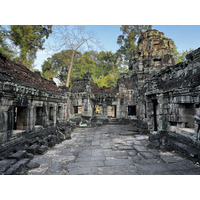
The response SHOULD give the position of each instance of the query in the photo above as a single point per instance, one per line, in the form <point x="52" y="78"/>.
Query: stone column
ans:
<point x="104" y="110"/>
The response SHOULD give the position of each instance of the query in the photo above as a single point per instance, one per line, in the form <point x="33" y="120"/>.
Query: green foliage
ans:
<point x="29" y="38"/>
<point x="127" y="41"/>
<point x="4" y="47"/>
<point x="104" y="66"/>
<point x="85" y="64"/>
<point x="180" y="56"/>
<point x="108" y="68"/>
<point x="57" y="66"/>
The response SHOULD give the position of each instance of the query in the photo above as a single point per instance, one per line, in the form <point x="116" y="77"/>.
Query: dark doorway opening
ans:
<point x="51" y="114"/>
<point x="59" y="113"/>
<point x="78" y="110"/>
<point x="20" y="118"/>
<point x="131" y="110"/>
<point x="155" y="103"/>
<point x="39" y="116"/>
<point x="75" y="109"/>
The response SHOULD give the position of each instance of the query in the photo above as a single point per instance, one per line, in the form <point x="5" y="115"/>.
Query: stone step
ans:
<point x="186" y="149"/>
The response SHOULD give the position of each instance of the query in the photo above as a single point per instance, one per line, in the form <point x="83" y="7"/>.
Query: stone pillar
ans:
<point x="54" y="114"/>
<point x="31" y="115"/>
<point x="104" y="110"/>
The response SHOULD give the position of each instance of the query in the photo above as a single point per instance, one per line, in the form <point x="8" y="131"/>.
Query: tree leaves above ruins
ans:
<point x="21" y="42"/>
<point x="103" y="66"/>
<point x="5" y="50"/>
<point x="29" y="38"/>
<point x="127" y="40"/>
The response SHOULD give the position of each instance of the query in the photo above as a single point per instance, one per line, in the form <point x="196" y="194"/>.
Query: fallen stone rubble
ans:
<point x="18" y="161"/>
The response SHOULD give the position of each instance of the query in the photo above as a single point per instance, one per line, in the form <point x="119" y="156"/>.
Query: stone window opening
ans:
<point x="187" y="112"/>
<point x="39" y="116"/>
<point x="20" y="118"/>
<point x="157" y="59"/>
<point x="132" y="110"/>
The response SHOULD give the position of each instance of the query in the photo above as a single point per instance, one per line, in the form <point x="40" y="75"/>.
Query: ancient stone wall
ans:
<point x="177" y="92"/>
<point x="29" y="104"/>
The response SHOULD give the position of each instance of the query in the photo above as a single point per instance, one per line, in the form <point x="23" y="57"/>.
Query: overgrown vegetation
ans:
<point x="181" y="56"/>
<point x="27" y="38"/>
<point x="105" y="67"/>
<point x="21" y="43"/>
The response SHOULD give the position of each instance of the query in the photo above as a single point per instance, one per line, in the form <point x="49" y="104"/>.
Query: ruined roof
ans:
<point x="182" y="75"/>
<point x="16" y="73"/>
<point x="103" y="90"/>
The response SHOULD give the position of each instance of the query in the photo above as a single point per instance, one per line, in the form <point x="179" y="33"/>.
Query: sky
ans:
<point x="185" y="37"/>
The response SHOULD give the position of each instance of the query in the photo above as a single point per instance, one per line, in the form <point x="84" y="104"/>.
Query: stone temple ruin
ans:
<point x="157" y="96"/>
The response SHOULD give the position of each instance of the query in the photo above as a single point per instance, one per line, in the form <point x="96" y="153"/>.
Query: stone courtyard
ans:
<point x="78" y="130"/>
<point x="110" y="150"/>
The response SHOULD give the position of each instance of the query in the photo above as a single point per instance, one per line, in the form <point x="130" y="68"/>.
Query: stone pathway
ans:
<point x="110" y="149"/>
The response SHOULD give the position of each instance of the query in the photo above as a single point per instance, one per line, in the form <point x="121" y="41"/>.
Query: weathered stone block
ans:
<point x="52" y="140"/>
<point x="33" y="148"/>
<point x="32" y="165"/>
<point x="5" y="164"/>
<point x="18" y="155"/>
<point x="29" y="155"/>
<point x="42" y="149"/>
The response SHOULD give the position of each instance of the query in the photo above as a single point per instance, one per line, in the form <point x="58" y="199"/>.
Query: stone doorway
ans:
<point x="111" y="111"/>
<point x="155" y="104"/>
<point x="20" y="118"/>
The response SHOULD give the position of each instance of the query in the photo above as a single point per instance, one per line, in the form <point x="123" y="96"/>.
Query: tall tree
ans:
<point x="4" y="46"/>
<point x="72" y="38"/>
<point x="104" y="67"/>
<point x="127" y="41"/>
<point x="29" y="38"/>
<point x="58" y="65"/>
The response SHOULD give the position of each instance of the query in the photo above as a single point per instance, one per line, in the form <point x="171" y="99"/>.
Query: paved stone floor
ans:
<point x="110" y="149"/>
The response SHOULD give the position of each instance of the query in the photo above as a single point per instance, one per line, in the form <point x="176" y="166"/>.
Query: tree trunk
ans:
<point x="70" y="69"/>
<point x="72" y="61"/>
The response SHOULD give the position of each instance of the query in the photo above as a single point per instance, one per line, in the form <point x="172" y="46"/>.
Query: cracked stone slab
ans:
<point x="118" y="162"/>
<point x="112" y="170"/>
<point x="82" y="171"/>
<point x="171" y="159"/>
<point x="117" y="153"/>
<point x="87" y="164"/>
<point x="140" y="148"/>
<point x="89" y="159"/>
<point x="154" y="169"/>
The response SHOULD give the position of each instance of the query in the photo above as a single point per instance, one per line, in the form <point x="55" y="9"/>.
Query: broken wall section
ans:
<point x="28" y="104"/>
<point x="177" y="92"/>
